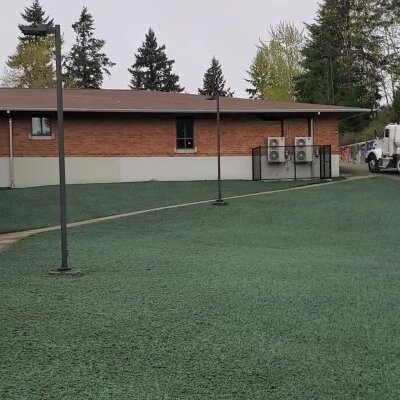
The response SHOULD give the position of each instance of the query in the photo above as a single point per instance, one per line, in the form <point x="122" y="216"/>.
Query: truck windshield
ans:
<point x="379" y="133"/>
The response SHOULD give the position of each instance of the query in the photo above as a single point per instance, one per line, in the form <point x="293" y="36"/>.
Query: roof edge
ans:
<point x="345" y="110"/>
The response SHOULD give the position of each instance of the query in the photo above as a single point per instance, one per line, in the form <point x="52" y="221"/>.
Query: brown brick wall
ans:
<point x="239" y="134"/>
<point x="294" y="128"/>
<point x="147" y="135"/>
<point x="327" y="132"/>
<point x="4" y="136"/>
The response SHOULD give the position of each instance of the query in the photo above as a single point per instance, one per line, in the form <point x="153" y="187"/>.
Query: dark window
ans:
<point x="41" y="126"/>
<point x="184" y="133"/>
<point x="387" y="133"/>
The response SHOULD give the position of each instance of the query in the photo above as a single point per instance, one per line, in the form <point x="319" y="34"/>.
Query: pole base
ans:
<point x="220" y="202"/>
<point x="65" y="272"/>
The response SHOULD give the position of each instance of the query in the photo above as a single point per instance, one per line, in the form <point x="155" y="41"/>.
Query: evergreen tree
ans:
<point x="214" y="81"/>
<point x="34" y="15"/>
<point x="388" y="33"/>
<point x="341" y="56"/>
<point x="32" y="64"/>
<point x="152" y="70"/>
<point x="395" y="109"/>
<point x="277" y="64"/>
<point x="259" y="77"/>
<point x="85" y="65"/>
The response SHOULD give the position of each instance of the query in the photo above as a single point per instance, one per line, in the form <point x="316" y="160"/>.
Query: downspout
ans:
<point x="10" y="124"/>
<point x="312" y="128"/>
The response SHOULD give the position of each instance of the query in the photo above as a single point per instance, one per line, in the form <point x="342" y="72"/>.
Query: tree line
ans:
<point x="348" y="56"/>
<point x="86" y="65"/>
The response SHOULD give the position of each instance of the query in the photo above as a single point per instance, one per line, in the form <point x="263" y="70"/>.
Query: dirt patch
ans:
<point x="350" y="170"/>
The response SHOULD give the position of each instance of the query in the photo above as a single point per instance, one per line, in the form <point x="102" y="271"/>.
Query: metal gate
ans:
<point x="256" y="154"/>
<point x="288" y="162"/>
<point x="326" y="162"/>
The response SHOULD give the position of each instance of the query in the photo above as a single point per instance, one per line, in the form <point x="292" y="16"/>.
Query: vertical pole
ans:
<point x="10" y="124"/>
<point x="219" y="200"/>
<point x="252" y="164"/>
<point x="328" y="86"/>
<point x="331" y="73"/>
<point x="321" y="158"/>
<point x="61" y="155"/>
<point x="330" y="161"/>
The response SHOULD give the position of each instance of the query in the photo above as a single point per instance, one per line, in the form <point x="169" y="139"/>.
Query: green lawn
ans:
<point x="289" y="296"/>
<point x="39" y="207"/>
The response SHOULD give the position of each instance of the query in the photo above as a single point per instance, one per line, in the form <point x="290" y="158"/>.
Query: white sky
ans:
<point x="193" y="31"/>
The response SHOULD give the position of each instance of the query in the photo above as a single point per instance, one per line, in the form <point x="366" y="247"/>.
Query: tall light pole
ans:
<point x="44" y="30"/>
<point x="220" y="201"/>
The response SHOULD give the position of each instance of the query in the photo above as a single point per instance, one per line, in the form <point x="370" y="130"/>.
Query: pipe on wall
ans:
<point x="10" y="124"/>
<point x="312" y="128"/>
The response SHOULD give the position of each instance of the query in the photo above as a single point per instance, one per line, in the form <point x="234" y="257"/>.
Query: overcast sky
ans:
<point x="193" y="31"/>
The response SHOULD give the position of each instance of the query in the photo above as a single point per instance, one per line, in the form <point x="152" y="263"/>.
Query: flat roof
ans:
<point x="143" y="101"/>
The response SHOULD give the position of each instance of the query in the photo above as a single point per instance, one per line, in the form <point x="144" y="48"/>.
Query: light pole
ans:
<point x="220" y="201"/>
<point x="44" y="30"/>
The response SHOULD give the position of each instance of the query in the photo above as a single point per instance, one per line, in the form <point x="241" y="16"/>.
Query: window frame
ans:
<point x="185" y="138"/>
<point x="41" y="136"/>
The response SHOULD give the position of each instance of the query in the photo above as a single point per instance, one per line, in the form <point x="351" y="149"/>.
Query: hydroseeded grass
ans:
<point x="38" y="207"/>
<point x="288" y="296"/>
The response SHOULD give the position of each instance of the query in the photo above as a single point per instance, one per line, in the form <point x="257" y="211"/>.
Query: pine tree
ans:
<point x="388" y="33"/>
<point x="341" y="56"/>
<point x="85" y="65"/>
<point x="214" y="81"/>
<point x="32" y="64"/>
<point x="34" y="15"/>
<point x="259" y="77"/>
<point x="396" y="103"/>
<point x="152" y="70"/>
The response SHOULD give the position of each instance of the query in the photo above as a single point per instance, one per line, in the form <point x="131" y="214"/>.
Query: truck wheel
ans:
<point x="398" y="165"/>
<point x="373" y="165"/>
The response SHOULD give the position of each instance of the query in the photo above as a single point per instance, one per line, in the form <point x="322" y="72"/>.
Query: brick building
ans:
<point x="125" y="136"/>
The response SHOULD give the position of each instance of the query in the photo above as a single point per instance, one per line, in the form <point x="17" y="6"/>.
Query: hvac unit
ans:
<point x="276" y="150"/>
<point x="303" y="149"/>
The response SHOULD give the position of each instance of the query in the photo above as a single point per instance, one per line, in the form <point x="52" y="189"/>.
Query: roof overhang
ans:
<point x="176" y="111"/>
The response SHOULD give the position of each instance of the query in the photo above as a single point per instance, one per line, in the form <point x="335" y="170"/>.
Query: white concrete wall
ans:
<point x="35" y="171"/>
<point x="42" y="171"/>
<point x="303" y="170"/>
<point x="335" y="165"/>
<point x="183" y="168"/>
<point x="5" y="172"/>
<point x="92" y="169"/>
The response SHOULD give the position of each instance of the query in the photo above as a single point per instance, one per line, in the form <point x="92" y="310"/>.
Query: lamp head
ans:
<point x="40" y="30"/>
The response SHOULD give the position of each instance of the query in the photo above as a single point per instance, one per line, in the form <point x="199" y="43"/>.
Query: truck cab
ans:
<point x="386" y="151"/>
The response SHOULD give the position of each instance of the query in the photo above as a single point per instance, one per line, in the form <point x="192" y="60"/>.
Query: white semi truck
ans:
<point x="386" y="150"/>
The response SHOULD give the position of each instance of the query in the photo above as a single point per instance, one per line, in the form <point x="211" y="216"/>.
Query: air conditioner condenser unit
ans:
<point x="303" y="149"/>
<point x="276" y="150"/>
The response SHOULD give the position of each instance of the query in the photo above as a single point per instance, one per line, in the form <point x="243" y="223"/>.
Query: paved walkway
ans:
<point x="351" y="170"/>
<point x="7" y="239"/>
